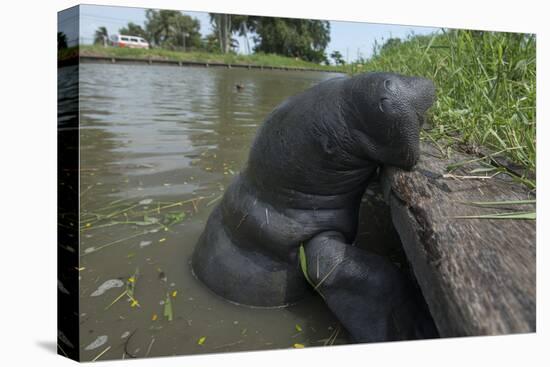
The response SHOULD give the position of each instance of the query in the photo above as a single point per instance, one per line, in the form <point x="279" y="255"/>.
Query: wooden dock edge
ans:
<point x="478" y="276"/>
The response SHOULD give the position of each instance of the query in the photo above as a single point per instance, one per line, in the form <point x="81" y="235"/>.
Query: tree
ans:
<point x="172" y="29"/>
<point x="337" y="57"/>
<point x="211" y="43"/>
<point x="101" y="36"/>
<point x="61" y="40"/>
<point x="133" y="29"/>
<point x="391" y="42"/>
<point x="224" y="26"/>
<point x="302" y="38"/>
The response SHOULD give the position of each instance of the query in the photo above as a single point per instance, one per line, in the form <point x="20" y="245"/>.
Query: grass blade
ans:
<point x="303" y="264"/>
<point x="521" y="216"/>
<point x="492" y="203"/>
<point x="168" y="311"/>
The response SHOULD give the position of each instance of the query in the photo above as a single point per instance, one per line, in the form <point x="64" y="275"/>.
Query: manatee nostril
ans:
<point x="388" y="85"/>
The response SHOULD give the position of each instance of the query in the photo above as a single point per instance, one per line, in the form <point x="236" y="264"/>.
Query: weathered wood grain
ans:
<point x="478" y="276"/>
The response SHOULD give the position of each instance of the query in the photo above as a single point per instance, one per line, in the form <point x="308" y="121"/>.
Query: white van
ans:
<point x="121" y="40"/>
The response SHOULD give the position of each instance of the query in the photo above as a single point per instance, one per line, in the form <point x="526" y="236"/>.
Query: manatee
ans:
<point x="308" y="167"/>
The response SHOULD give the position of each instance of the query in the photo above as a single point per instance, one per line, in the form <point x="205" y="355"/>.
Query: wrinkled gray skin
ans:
<point x="307" y="170"/>
<point x="372" y="299"/>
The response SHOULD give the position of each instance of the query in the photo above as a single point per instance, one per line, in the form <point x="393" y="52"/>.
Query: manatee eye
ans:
<point x="388" y="85"/>
<point x="384" y="105"/>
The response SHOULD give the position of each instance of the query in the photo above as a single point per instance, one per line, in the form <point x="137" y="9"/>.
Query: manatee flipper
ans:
<point x="372" y="299"/>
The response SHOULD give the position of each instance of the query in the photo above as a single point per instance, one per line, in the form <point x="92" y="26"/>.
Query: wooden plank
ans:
<point x="478" y="276"/>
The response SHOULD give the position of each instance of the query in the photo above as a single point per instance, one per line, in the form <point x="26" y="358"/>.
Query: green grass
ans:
<point x="197" y="56"/>
<point x="486" y="87"/>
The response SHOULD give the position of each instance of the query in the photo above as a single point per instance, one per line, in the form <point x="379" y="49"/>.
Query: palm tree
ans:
<point x="222" y="26"/>
<point x="101" y="36"/>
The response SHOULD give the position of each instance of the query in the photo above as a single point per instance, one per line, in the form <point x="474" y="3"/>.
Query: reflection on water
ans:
<point x="172" y="134"/>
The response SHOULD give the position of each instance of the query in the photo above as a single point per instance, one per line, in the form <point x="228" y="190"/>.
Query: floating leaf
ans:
<point x="134" y="301"/>
<point x="298" y="328"/>
<point x="109" y="284"/>
<point x="131" y="284"/>
<point x="174" y="293"/>
<point x="143" y="244"/>
<point x="147" y="221"/>
<point x="98" y="342"/>
<point x="168" y="312"/>
<point x="155" y="317"/>
<point x="173" y="218"/>
<point x="299" y="346"/>
<point x="162" y="240"/>
<point x="201" y="340"/>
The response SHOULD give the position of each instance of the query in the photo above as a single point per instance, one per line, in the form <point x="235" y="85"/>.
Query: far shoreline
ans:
<point x="153" y="61"/>
<point x="156" y="56"/>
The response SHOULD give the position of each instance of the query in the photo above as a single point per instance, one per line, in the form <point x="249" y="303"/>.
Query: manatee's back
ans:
<point x="290" y="149"/>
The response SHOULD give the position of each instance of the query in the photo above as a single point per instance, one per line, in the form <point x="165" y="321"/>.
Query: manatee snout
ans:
<point x="393" y="110"/>
<point x="422" y="96"/>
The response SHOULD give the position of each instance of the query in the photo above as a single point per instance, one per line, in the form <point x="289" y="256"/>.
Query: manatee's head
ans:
<point x="389" y="110"/>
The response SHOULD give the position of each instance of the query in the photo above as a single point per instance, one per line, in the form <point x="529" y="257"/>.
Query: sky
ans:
<point x="351" y="39"/>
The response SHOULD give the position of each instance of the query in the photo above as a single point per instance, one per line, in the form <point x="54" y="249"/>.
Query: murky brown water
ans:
<point x="164" y="136"/>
